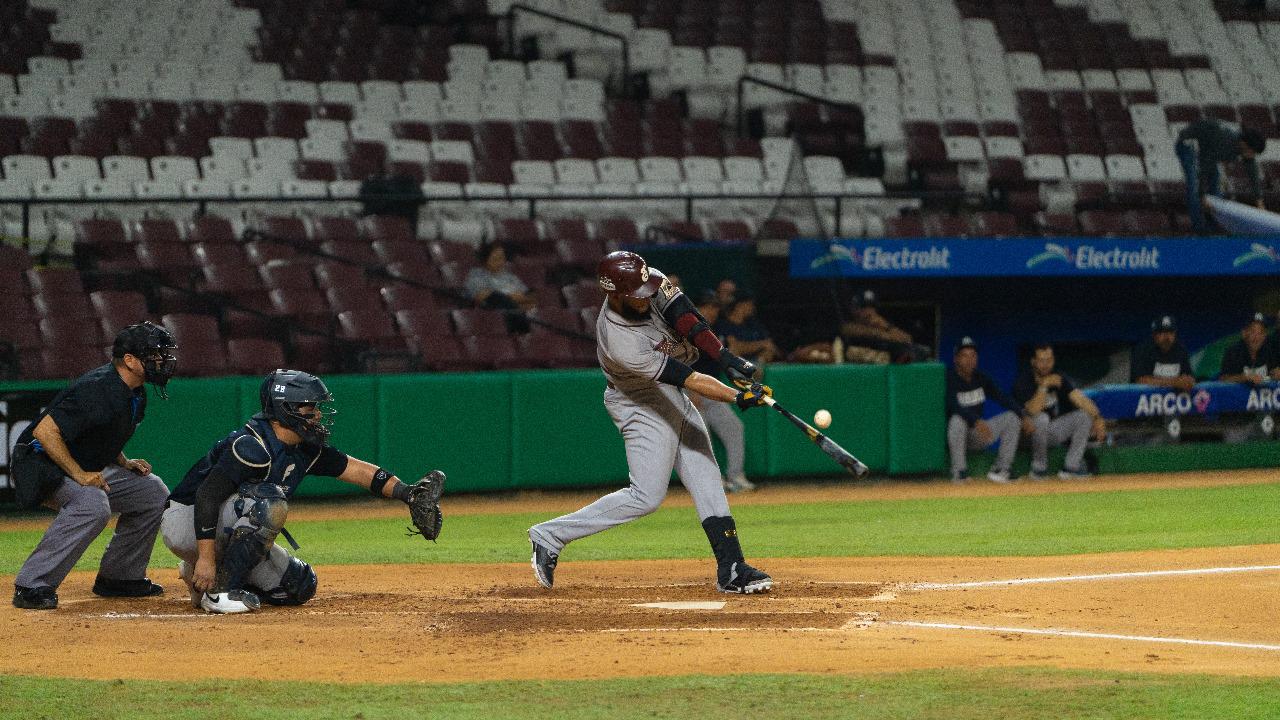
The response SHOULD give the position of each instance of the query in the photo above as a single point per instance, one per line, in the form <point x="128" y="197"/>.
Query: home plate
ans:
<point x="685" y="605"/>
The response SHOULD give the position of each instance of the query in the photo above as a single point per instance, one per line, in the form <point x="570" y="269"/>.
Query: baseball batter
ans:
<point x="649" y="334"/>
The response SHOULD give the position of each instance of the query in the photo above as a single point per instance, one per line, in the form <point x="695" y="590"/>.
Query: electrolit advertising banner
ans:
<point x="1072" y="257"/>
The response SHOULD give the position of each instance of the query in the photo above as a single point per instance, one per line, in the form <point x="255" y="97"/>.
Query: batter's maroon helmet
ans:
<point x="625" y="273"/>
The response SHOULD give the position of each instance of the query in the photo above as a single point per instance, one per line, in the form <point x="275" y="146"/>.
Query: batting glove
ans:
<point x="752" y="396"/>
<point x="741" y="372"/>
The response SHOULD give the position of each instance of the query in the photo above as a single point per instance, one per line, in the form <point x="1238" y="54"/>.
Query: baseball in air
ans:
<point x="822" y="419"/>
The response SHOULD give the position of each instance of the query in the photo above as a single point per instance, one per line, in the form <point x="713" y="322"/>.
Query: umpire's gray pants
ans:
<point x="961" y="439"/>
<point x="661" y="431"/>
<point x="725" y="424"/>
<point x="1072" y="428"/>
<point x="83" y="513"/>
<point x="178" y="530"/>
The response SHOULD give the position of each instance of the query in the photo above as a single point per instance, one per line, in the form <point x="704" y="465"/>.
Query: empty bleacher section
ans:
<point x="121" y="122"/>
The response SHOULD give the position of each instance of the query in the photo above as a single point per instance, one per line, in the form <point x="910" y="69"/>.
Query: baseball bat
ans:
<point x="833" y="450"/>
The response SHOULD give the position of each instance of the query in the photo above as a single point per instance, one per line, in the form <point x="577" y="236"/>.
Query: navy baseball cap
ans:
<point x="1256" y="318"/>
<point x="1164" y="323"/>
<point x="966" y="342"/>
<point x="708" y="297"/>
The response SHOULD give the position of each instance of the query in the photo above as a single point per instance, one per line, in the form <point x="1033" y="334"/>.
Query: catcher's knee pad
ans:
<point x="297" y="585"/>
<point x="263" y="507"/>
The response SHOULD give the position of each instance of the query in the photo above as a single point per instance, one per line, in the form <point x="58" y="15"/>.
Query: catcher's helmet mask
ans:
<point x="154" y="348"/>
<point x="300" y="402"/>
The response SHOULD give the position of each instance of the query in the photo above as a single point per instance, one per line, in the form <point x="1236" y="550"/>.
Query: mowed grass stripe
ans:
<point x="1059" y="524"/>
<point x="1014" y="693"/>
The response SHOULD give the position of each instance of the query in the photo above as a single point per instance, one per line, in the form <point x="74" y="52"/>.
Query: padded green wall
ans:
<point x="529" y="429"/>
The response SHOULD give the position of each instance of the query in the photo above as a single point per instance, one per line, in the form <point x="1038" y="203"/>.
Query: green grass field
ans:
<point x="1026" y="694"/>
<point x="989" y="526"/>
<point x="1062" y="524"/>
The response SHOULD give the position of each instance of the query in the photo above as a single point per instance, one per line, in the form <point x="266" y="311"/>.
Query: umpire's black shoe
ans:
<point x="741" y="578"/>
<point x="41" y="598"/>
<point x="108" y="587"/>
<point x="544" y="565"/>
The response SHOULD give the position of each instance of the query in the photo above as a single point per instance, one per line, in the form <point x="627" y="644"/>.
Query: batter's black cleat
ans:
<point x="544" y="565"/>
<point x="108" y="587"/>
<point x="41" y="598"/>
<point x="742" y="579"/>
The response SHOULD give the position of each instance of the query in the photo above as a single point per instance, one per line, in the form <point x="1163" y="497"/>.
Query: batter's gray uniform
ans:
<point x="661" y="429"/>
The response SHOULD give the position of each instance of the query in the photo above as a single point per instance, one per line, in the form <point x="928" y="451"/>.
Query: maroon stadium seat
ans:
<point x="493" y="351"/>
<point x="423" y="322"/>
<point x="254" y="356"/>
<point x="337" y="275"/>
<point x="371" y="327"/>
<point x="287" y="274"/>
<point x="473" y="321"/>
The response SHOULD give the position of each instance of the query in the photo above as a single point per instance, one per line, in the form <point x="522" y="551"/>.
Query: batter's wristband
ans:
<point x="380" y="479"/>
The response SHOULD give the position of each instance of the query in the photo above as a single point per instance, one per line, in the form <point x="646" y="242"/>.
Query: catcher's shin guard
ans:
<point x="297" y="585"/>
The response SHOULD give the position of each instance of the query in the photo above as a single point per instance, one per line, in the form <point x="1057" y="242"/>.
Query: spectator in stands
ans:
<point x="726" y="292"/>
<point x="743" y="333"/>
<point x="1205" y="143"/>
<point x="1162" y="361"/>
<point x="968" y="389"/>
<point x="870" y="338"/>
<point x="1061" y="414"/>
<point x="493" y="286"/>
<point x="1250" y="359"/>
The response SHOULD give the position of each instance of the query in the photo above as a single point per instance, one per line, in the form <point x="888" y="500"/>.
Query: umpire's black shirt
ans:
<point x="1149" y="359"/>
<point x="96" y="415"/>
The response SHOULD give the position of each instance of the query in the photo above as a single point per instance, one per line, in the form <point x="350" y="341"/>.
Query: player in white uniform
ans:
<point x="648" y="335"/>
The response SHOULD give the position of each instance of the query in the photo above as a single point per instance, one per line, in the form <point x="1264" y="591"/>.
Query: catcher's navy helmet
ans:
<point x="285" y="392"/>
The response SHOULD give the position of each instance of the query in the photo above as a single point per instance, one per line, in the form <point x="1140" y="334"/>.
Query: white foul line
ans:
<point x="1102" y="576"/>
<point x="1082" y="634"/>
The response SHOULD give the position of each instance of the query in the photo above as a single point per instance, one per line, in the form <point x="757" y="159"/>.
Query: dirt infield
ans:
<point x="1183" y="611"/>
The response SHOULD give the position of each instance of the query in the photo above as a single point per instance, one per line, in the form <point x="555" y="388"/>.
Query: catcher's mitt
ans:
<point x="424" y="505"/>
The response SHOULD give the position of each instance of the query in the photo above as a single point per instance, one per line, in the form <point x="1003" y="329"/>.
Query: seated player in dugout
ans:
<point x="1063" y="415"/>
<point x="1162" y="361"/>
<point x="870" y="338"/>
<point x="743" y="332"/>
<point x="223" y="518"/>
<point x="1251" y="359"/>
<point x="968" y="390"/>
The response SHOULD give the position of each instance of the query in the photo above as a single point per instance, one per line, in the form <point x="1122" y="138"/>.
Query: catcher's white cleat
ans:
<point x="231" y="602"/>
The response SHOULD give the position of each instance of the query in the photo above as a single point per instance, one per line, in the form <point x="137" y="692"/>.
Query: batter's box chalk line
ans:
<point x="1098" y="576"/>
<point x="1083" y="634"/>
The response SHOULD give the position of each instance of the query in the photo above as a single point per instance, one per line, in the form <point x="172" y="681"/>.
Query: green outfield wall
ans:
<point x="545" y="429"/>
<point x="539" y="429"/>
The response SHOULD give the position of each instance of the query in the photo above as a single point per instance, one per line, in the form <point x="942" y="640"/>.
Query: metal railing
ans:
<point x="596" y="29"/>
<point x="752" y="80"/>
<point x="690" y="202"/>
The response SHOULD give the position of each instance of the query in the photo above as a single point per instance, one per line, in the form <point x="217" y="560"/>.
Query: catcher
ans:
<point x="222" y="519"/>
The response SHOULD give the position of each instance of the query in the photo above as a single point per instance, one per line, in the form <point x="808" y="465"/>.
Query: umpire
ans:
<point x="71" y="460"/>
